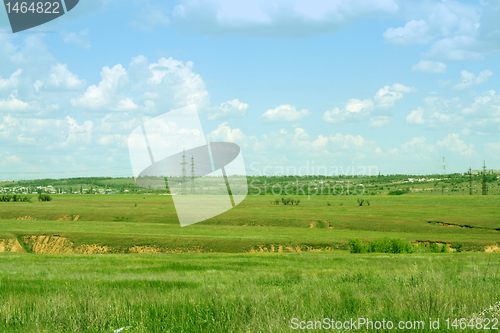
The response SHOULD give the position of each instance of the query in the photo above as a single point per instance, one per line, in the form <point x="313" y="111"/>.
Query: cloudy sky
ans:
<point x="343" y="84"/>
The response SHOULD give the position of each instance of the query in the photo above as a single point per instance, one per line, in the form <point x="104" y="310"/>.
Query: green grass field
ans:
<point x="238" y="292"/>
<point x="122" y="221"/>
<point x="227" y="283"/>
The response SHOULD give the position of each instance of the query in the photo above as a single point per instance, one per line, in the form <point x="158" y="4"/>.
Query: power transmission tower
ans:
<point x="470" y="181"/>
<point x="183" y="181"/>
<point x="192" y="175"/>
<point x="444" y="169"/>
<point x="485" y="186"/>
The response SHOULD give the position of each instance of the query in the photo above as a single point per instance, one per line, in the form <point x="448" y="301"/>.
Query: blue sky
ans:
<point x="388" y="84"/>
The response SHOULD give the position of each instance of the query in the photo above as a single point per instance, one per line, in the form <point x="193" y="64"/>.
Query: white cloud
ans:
<point x="13" y="104"/>
<point x="81" y="40"/>
<point x="101" y="96"/>
<point x="12" y="81"/>
<point x="149" y="17"/>
<point x="387" y="96"/>
<point x="230" y="109"/>
<point x="333" y="116"/>
<point x="380" y="121"/>
<point x="457" y="48"/>
<point x="428" y="66"/>
<point x="285" y="112"/>
<point x="356" y="105"/>
<point x="416" y="150"/>
<point x="414" y="32"/>
<point x="13" y="159"/>
<point x="453" y="28"/>
<point x="348" y="141"/>
<point x="126" y="104"/>
<point x="453" y="143"/>
<point x="282" y="18"/>
<point x="416" y="117"/>
<point x="358" y="110"/>
<point x="492" y="149"/>
<point x="483" y="114"/>
<point x="469" y="79"/>
<point x="225" y="133"/>
<point x="60" y="79"/>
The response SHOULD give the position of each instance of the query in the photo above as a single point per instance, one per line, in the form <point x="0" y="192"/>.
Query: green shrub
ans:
<point x="44" y="197"/>
<point x="355" y="246"/>
<point x="396" y="192"/>
<point x="386" y="245"/>
<point x="5" y="197"/>
<point x="383" y="245"/>
<point x="15" y="198"/>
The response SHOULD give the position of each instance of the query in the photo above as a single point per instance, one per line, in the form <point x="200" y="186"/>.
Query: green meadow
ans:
<point x="193" y="292"/>
<point x="251" y="269"/>
<point x="320" y="222"/>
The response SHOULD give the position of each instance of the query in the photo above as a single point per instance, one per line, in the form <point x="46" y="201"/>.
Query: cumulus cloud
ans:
<point x="282" y="18"/>
<point x="225" y="133"/>
<point x="414" y="32"/>
<point x="358" y="110"/>
<point x="13" y="104"/>
<point x="356" y="105"/>
<point x="61" y="79"/>
<point x="387" y="96"/>
<point x="453" y="143"/>
<point x="285" y="112"/>
<point x="13" y="159"/>
<point x="380" y="121"/>
<point x="81" y="39"/>
<point x="428" y="66"/>
<point x="417" y="149"/>
<point x="230" y="109"/>
<point x="165" y="85"/>
<point x="453" y="29"/>
<point x="469" y="79"/>
<point x="437" y="113"/>
<point x="483" y="115"/>
<point x="101" y="96"/>
<point x="12" y="82"/>
<point x="416" y="117"/>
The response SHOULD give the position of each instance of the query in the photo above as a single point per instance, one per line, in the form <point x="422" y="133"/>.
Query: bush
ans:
<point x="15" y="198"/>
<point x="396" y="192"/>
<point x="44" y="197"/>
<point x="384" y="245"/>
<point x="5" y="197"/>
<point x="355" y="246"/>
<point x="457" y="246"/>
<point x="24" y="198"/>
<point x="287" y="201"/>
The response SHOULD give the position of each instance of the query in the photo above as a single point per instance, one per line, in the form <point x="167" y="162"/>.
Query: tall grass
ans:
<point x="238" y="293"/>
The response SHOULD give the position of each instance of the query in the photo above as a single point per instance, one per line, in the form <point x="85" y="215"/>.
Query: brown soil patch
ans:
<point x="287" y="248"/>
<point x="319" y="224"/>
<point x="145" y="249"/>
<point x="492" y="249"/>
<point x="26" y="218"/>
<point x="10" y="245"/>
<point x="73" y="218"/>
<point x="53" y="244"/>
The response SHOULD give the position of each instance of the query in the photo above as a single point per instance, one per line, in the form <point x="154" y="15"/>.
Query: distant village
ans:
<point x="16" y="189"/>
